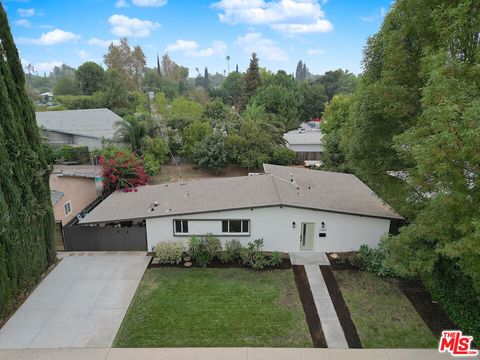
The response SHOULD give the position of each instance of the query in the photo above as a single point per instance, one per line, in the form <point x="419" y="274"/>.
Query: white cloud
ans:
<point x="320" y="26"/>
<point x="265" y="48"/>
<point x="42" y="67"/>
<point x="191" y="48"/>
<point x="26" y="12"/>
<point x="46" y="26"/>
<point x="101" y="43"/>
<point x="23" y="22"/>
<point x="121" y="4"/>
<point x="290" y="16"/>
<point x="53" y="37"/>
<point x="379" y="14"/>
<point x="149" y="3"/>
<point x="83" y="54"/>
<point x="124" y="26"/>
<point x="182" y="45"/>
<point x="313" y="52"/>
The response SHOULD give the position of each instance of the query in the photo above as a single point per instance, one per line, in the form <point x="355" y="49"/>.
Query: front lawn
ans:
<point x="215" y="307"/>
<point x="382" y="314"/>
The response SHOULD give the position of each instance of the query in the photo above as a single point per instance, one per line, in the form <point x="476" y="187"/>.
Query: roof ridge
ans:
<point x="277" y="192"/>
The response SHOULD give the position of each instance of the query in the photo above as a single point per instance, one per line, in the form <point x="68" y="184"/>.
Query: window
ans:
<point x="235" y="226"/>
<point x="67" y="207"/>
<point x="181" y="226"/>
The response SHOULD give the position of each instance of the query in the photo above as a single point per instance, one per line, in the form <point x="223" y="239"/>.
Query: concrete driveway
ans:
<point x="81" y="303"/>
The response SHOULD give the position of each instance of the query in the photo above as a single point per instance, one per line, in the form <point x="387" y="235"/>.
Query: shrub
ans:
<point x="204" y="249"/>
<point x="233" y="248"/>
<point x="252" y="256"/>
<point x="169" y="252"/>
<point x="123" y="171"/>
<point x="373" y="260"/>
<point x="276" y="259"/>
<point x="456" y="293"/>
<point x="151" y="165"/>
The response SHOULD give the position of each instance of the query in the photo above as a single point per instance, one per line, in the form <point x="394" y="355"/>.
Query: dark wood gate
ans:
<point x="96" y="238"/>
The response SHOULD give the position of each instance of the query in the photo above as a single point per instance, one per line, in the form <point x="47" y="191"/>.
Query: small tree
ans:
<point x="123" y="171"/>
<point x="212" y="154"/>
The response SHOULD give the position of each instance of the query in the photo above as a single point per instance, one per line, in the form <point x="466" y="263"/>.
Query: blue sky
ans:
<point x="326" y="34"/>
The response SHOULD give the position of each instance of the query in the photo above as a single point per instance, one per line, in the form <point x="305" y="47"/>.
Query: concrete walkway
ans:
<point x="326" y="311"/>
<point x="222" y="354"/>
<point x="81" y="303"/>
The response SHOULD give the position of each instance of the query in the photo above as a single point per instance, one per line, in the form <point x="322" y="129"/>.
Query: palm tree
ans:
<point x="132" y="130"/>
<point x="228" y="64"/>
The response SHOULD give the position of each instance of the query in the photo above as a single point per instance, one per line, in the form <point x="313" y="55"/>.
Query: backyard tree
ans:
<point x="212" y="154"/>
<point x="26" y="217"/>
<point x="90" y="77"/>
<point x="250" y="82"/>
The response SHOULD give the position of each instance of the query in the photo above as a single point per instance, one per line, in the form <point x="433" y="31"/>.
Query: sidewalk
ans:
<point x="221" y="354"/>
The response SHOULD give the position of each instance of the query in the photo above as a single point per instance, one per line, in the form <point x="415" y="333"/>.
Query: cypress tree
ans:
<point x="251" y="82"/>
<point x="26" y="217"/>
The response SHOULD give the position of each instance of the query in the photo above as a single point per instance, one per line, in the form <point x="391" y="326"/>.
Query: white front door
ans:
<point x="307" y="234"/>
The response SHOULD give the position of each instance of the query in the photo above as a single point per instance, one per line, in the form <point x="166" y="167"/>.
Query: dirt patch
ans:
<point x="187" y="172"/>
<point x="313" y="321"/>
<point x="341" y="308"/>
<point x="429" y="310"/>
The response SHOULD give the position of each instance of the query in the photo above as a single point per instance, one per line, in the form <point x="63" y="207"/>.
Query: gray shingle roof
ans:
<point x="320" y="190"/>
<point x="307" y="137"/>
<point x="94" y="123"/>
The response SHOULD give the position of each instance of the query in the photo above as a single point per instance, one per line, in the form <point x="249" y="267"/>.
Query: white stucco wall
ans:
<point x="274" y="224"/>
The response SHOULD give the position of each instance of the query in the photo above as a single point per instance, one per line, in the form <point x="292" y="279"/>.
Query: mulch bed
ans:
<point x="313" y="321"/>
<point x="216" y="263"/>
<point x="349" y="329"/>
<point x="342" y="261"/>
<point x="430" y="311"/>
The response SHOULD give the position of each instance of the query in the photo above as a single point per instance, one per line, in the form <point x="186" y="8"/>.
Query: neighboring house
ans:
<point x="306" y="142"/>
<point x="290" y="208"/>
<point x="73" y="188"/>
<point x="79" y="127"/>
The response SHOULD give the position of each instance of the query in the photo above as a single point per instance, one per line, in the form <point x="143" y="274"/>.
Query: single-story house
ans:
<point x="306" y="142"/>
<point x="86" y="127"/>
<point x="73" y="188"/>
<point x="292" y="209"/>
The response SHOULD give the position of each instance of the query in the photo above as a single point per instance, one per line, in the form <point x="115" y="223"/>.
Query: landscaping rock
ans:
<point x="155" y="261"/>
<point x="187" y="264"/>
<point x="187" y="258"/>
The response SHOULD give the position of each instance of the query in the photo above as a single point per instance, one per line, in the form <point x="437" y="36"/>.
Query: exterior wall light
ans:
<point x="293" y="224"/>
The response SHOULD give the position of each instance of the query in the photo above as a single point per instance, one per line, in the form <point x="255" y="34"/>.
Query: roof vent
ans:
<point x="291" y="177"/>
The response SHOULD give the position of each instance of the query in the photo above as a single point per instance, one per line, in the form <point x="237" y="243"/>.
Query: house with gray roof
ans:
<point x="306" y="142"/>
<point x="87" y="127"/>
<point x="291" y="209"/>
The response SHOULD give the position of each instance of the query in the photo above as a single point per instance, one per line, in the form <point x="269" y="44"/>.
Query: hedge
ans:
<point x="454" y="291"/>
<point x="26" y="217"/>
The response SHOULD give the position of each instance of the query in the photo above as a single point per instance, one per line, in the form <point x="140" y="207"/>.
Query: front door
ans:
<point x="307" y="233"/>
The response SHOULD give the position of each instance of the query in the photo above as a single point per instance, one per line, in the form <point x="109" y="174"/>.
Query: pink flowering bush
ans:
<point x="122" y="171"/>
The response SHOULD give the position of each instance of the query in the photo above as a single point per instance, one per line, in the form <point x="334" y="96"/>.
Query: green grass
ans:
<point x="215" y="307"/>
<point x="383" y="315"/>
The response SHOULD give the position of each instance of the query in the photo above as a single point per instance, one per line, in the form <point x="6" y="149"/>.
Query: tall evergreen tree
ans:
<point x="251" y="82"/>
<point x="26" y="217"/>
<point x="299" y="71"/>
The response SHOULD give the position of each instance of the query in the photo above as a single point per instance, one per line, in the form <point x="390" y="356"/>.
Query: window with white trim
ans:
<point x="181" y="226"/>
<point x="67" y="207"/>
<point x="235" y="226"/>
